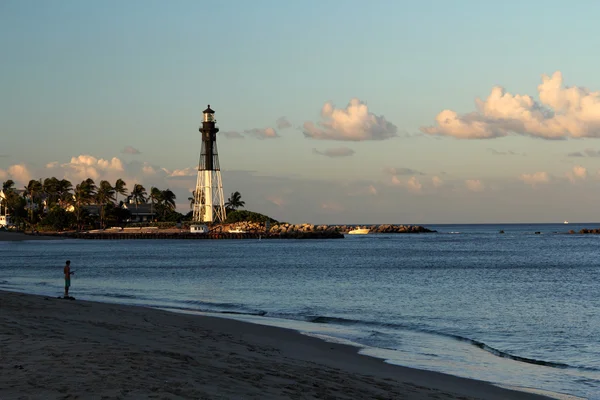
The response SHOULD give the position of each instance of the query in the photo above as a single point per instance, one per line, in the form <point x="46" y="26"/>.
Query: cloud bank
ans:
<point x="353" y="123"/>
<point x="562" y="112"/>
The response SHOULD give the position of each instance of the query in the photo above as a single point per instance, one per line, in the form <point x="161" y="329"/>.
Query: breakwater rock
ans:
<point x="240" y="230"/>
<point x="385" y="228"/>
<point x="595" y="231"/>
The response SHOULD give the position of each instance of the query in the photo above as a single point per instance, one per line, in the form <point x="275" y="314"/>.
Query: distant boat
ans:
<point x="566" y="222"/>
<point x="359" y="231"/>
<point x="236" y="230"/>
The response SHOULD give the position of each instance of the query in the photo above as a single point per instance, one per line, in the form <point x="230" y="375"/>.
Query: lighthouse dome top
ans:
<point x="209" y="110"/>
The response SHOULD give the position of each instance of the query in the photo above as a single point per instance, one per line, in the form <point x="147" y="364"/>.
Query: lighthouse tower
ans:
<point x="209" y="205"/>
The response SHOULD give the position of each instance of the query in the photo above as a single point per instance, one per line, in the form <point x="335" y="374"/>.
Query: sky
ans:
<point x="330" y="112"/>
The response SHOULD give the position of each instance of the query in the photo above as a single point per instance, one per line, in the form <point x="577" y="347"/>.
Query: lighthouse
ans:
<point x="209" y="205"/>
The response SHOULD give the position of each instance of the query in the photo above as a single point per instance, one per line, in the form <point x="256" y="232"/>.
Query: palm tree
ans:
<point x="155" y="198"/>
<point x="33" y="194"/>
<point x="50" y="189"/>
<point x="235" y="201"/>
<point x="138" y="194"/>
<point x="83" y="194"/>
<point x="120" y="188"/>
<point x="105" y="194"/>
<point x="168" y="201"/>
<point x="9" y="185"/>
<point x="64" y="188"/>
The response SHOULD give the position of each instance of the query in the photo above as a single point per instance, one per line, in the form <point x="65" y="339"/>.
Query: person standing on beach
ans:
<point x="68" y="273"/>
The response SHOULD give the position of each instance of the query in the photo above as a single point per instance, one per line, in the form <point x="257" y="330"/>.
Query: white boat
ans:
<point x="566" y="222"/>
<point x="359" y="231"/>
<point x="236" y="230"/>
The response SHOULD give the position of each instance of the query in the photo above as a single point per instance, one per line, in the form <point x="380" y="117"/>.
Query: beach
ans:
<point x="56" y="348"/>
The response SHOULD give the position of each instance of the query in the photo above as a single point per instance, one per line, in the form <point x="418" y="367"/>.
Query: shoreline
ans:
<point x="54" y="347"/>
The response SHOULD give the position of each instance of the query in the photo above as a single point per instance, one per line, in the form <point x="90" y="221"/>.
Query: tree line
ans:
<point x="56" y="204"/>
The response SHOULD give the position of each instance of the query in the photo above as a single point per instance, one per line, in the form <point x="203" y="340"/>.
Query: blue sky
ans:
<point x="327" y="109"/>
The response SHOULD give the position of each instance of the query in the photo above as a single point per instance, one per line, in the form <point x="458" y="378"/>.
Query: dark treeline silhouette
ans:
<point x="56" y="204"/>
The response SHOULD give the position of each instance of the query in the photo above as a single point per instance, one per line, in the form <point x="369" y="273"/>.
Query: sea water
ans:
<point x="519" y="308"/>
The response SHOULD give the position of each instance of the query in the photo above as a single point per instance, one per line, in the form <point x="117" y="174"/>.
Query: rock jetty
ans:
<point x="595" y="231"/>
<point x="292" y="228"/>
<point x="240" y="230"/>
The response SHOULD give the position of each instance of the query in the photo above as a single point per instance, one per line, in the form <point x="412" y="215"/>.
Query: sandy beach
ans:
<point x="72" y="349"/>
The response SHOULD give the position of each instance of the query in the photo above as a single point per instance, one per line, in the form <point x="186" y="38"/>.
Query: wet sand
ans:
<point x="66" y="349"/>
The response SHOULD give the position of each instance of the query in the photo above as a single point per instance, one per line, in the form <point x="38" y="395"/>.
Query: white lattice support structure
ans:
<point x="209" y="203"/>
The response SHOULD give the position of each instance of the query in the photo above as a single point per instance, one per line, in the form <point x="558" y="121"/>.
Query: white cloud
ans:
<point x="474" y="185"/>
<point x="258" y="133"/>
<point x="148" y="169"/>
<point x="130" y="150"/>
<point x="562" y="112"/>
<point x="414" y="185"/>
<point x="436" y="181"/>
<point x="354" y="123"/>
<point x="86" y="166"/>
<point x="262" y="133"/>
<point x="577" y="173"/>
<point x="19" y="173"/>
<point x="182" y="172"/>
<point x="335" y="152"/>
<point x="113" y="165"/>
<point x="535" y="178"/>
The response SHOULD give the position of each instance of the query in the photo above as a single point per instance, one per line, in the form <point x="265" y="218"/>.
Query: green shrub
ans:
<point x="248" y="216"/>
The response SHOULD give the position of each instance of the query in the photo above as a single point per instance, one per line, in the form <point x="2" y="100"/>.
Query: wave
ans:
<point x="504" y="354"/>
<point x="114" y="295"/>
<point x="492" y="350"/>
<point x="259" y="313"/>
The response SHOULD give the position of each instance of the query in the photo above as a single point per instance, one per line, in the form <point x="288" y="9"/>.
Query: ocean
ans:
<point x="517" y="308"/>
